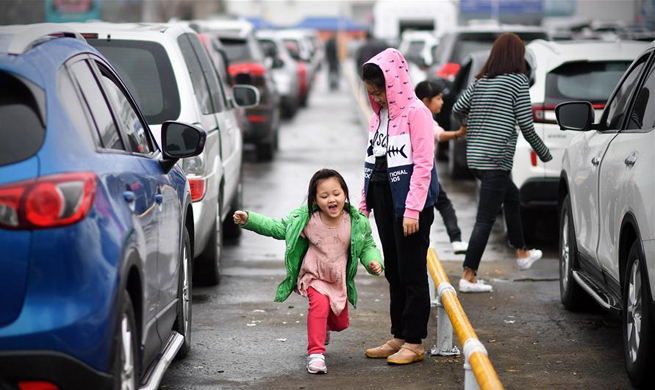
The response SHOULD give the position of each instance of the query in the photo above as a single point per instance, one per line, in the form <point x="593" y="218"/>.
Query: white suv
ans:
<point x="607" y="213"/>
<point x="169" y="72"/>
<point x="561" y="71"/>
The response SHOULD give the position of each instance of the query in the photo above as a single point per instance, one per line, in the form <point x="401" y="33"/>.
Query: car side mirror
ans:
<point x="576" y="116"/>
<point x="180" y="140"/>
<point x="245" y="96"/>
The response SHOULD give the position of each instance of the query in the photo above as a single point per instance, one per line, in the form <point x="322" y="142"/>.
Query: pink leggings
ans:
<point x="321" y="319"/>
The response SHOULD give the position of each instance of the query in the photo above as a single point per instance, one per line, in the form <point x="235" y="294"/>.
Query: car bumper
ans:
<point x="62" y="370"/>
<point x="539" y="193"/>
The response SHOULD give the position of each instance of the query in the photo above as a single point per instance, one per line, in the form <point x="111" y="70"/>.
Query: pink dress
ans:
<point x="324" y="265"/>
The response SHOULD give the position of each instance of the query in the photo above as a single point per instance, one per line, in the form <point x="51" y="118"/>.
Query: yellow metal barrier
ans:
<point x="481" y="365"/>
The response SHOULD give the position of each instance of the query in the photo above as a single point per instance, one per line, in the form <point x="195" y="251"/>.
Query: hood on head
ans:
<point x="398" y="87"/>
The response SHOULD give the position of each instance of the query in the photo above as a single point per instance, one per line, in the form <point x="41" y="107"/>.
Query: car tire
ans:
<point x="529" y="225"/>
<point x="207" y="265"/>
<point x="573" y="297"/>
<point x="126" y="350"/>
<point x="265" y="150"/>
<point x="637" y="319"/>
<point x="230" y="229"/>
<point x="457" y="167"/>
<point x="184" y="296"/>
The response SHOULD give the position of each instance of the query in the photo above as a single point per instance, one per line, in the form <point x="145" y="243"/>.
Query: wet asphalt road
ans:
<point x="243" y="340"/>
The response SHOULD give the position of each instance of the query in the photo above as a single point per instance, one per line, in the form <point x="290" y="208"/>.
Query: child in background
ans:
<point x="431" y="94"/>
<point x="324" y="240"/>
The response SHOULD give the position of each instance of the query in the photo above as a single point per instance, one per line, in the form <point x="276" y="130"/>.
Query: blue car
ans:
<point x="96" y="224"/>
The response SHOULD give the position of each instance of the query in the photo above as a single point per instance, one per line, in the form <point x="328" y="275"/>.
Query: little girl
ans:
<point x="324" y="240"/>
<point x="431" y="94"/>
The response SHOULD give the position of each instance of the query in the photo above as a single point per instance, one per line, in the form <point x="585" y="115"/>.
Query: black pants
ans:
<point x="445" y="207"/>
<point x="405" y="265"/>
<point x="496" y="189"/>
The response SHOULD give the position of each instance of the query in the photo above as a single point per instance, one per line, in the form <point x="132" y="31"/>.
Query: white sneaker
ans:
<point x="316" y="364"/>
<point x="459" y="247"/>
<point x="526" y="263"/>
<point x="479" y="287"/>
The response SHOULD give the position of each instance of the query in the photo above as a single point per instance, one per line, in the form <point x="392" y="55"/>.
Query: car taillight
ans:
<point x="37" y="385"/>
<point x="48" y="201"/>
<point x="533" y="158"/>
<point x="302" y="78"/>
<point x="540" y="111"/>
<point x="252" y="68"/>
<point x="448" y="71"/>
<point x="257" y="118"/>
<point x="198" y="186"/>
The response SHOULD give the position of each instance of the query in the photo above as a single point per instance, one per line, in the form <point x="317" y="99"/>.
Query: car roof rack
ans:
<point x="19" y="39"/>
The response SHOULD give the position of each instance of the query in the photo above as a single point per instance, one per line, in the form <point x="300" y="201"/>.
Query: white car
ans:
<point x="284" y="69"/>
<point x="562" y="71"/>
<point x="169" y="72"/>
<point x="418" y="48"/>
<point x="607" y="214"/>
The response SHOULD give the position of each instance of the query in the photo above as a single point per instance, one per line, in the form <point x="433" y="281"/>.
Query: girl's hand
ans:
<point x="375" y="267"/>
<point x="462" y="131"/>
<point x="240" y="217"/>
<point x="410" y="226"/>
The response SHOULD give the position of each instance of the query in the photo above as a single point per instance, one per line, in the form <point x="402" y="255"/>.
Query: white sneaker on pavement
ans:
<point x="479" y="287"/>
<point x="459" y="247"/>
<point x="316" y="364"/>
<point x="526" y="263"/>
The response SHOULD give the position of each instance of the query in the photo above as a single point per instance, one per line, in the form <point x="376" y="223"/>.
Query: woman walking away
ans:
<point x="401" y="188"/>
<point x="431" y="94"/>
<point x="491" y="107"/>
<point x="324" y="240"/>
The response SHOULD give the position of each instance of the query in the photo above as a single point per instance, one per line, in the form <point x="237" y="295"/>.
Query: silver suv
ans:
<point x="607" y="218"/>
<point x="168" y="70"/>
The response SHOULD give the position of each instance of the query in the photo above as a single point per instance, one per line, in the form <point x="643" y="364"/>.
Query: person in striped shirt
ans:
<point x="491" y="108"/>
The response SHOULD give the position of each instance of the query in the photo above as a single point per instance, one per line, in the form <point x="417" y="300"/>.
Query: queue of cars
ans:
<point x="121" y="165"/>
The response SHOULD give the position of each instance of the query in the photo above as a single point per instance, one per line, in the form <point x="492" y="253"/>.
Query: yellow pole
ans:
<point x="481" y="365"/>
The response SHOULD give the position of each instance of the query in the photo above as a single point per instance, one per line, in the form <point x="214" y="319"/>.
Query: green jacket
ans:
<point x="289" y="228"/>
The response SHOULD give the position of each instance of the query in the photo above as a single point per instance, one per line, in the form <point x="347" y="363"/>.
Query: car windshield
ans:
<point x="589" y="81"/>
<point x="22" y="110"/>
<point x="237" y="50"/>
<point x="415" y="49"/>
<point x="147" y="72"/>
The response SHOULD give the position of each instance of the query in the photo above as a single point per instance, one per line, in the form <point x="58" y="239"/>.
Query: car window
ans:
<point x="293" y="47"/>
<point x="133" y="128"/>
<point x="237" y="50"/>
<point x="642" y="115"/>
<point x="20" y="107"/>
<point x="146" y="70"/>
<point x="209" y="71"/>
<point x="196" y="73"/>
<point x="269" y="48"/>
<point x="98" y="106"/>
<point x="616" y="109"/>
<point x="589" y="81"/>
<point x="415" y="49"/>
<point x="72" y="100"/>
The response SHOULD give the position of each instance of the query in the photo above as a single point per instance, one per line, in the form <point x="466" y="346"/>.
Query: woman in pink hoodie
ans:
<point x="401" y="188"/>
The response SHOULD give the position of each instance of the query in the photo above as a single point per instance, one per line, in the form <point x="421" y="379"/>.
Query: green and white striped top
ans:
<point x="491" y="109"/>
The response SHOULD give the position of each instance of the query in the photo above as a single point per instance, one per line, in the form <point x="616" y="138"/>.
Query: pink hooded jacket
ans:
<point x="410" y="147"/>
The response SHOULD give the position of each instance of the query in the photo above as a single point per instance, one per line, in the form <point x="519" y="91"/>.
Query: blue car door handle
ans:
<point x="129" y="196"/>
